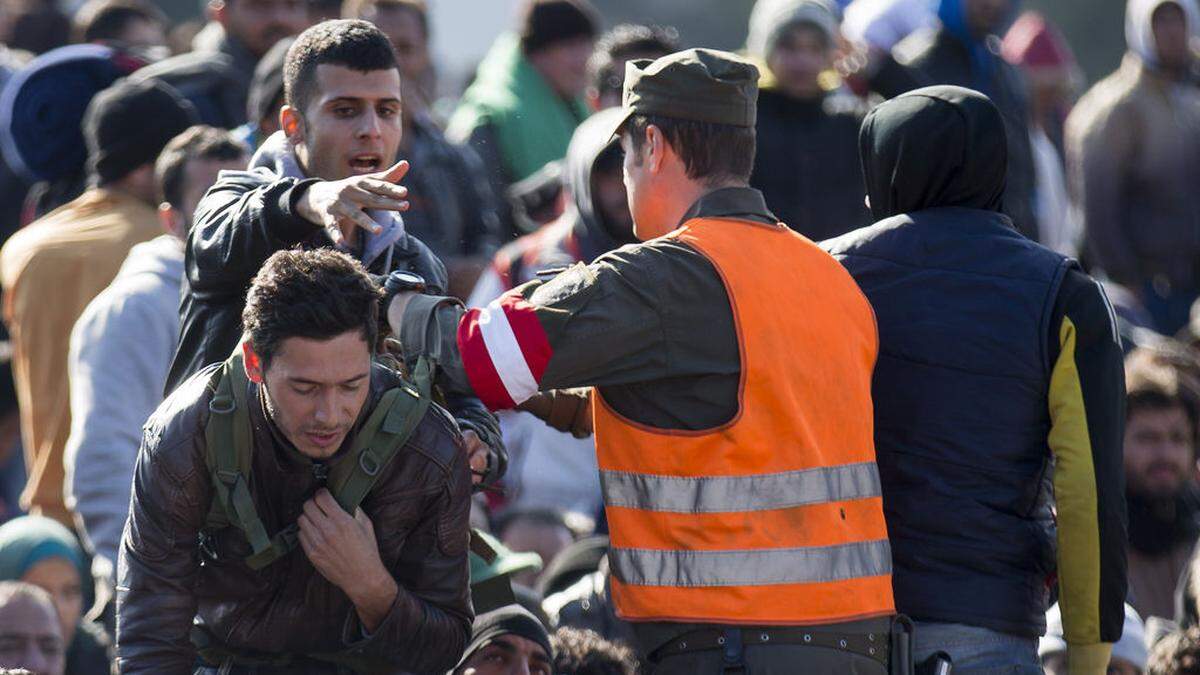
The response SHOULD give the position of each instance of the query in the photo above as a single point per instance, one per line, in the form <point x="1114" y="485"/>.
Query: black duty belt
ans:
<point x="871" y="645"/>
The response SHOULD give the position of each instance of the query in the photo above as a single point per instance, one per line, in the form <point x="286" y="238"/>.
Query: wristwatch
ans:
<point x="400" y="281"/>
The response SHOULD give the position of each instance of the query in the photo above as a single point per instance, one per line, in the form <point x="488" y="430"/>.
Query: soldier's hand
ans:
<point x="344" y="551"/>
<point x="338" y="206"/>
<point x="477" y="455"/>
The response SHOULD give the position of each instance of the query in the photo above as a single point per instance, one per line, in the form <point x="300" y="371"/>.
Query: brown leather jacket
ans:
<point x="419" y="508"/>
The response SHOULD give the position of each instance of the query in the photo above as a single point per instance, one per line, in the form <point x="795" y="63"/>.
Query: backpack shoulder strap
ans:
<point x="388" y="428"/>
<point x="229" y="451"/>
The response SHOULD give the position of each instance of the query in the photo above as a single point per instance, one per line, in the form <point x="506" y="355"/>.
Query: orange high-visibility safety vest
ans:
<point x="775" y="517"/>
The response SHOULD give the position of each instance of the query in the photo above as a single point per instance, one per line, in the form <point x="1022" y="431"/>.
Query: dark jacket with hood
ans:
<point x="249" y="215"/>
<point x="998" y="360"/>
<point x="419" y="508"/>
<point x="580" y="234"/>
<point x="806" y="166"/>
<point x="952" y="55"/>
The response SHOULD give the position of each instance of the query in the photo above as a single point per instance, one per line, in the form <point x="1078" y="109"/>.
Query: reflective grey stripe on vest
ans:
<point x="726" y="494"/>
<point x="763" y="567"/>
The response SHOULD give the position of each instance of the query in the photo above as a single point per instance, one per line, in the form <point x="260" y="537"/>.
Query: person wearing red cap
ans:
<point x="1038" y="48"/>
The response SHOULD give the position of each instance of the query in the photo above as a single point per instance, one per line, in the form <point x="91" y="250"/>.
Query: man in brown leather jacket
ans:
<point x="384" y="590"/>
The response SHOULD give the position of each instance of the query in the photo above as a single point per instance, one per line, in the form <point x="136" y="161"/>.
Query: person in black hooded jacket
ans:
<point x="999" y="384"/>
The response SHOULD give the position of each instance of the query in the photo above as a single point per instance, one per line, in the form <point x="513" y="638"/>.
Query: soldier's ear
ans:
<point x="252" y="363"/>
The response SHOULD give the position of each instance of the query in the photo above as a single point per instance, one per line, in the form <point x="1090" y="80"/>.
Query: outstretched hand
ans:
<point x="339" y="206"/>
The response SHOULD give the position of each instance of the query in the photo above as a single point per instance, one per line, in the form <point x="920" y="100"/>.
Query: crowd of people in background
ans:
<point x="114" y="125"/>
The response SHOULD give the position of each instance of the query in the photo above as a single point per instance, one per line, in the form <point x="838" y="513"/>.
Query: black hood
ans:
<point x="933" y="147"/>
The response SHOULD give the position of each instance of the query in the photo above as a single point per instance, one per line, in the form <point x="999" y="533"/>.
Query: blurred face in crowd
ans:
<point x="198" y="176"/>
<point x="610" y="198"/>
<point x="403" y="27"/>
<point x="315" y="389"/>
<point x="802" y="54"/>
<point x="259" y="24"/>
<point x="30" y="637"/>
<point x="60" y="578"/>
<point x="1159" y="454"/>
<point x="1169" y="24"/>
<point x="352" y="125"/>
<point x="143" y="33"/>
<point x="508" y="655"/>
<point x="986" y="17"/>
<point x="564" y="65"/>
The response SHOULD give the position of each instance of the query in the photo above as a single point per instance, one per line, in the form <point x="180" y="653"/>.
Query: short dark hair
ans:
<point x="1154" y="382"/>
<point x="108" y="19"/>
<point x="1177" y="653"/>
<point x="359" y="9"/>
<point x="585" y="652"/>
<point x="199" y="142"/>
<point x="624" y="42"/>
<point x="317" y="294"/>
<point x="352" y="43"/>
<point x="711" y="153"/>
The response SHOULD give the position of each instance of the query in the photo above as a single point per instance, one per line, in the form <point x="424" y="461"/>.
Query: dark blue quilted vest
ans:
<point x="964" y="304"/>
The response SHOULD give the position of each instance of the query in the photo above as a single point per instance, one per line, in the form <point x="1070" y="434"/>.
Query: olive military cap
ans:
<point x="702" y="85"/>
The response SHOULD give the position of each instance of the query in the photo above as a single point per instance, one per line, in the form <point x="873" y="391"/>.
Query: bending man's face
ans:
<point x="316" y="389"/>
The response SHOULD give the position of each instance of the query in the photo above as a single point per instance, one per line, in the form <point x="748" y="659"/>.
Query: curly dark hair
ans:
<point x="316" y="294"/>
<point x="584" y="652"/>
<point x="1177" y="653"/>
<point x="351" y="43"/>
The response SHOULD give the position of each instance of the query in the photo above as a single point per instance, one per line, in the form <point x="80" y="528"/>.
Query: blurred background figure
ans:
<point x="527" y="97"/>
<point x="807" y="163"/>
<point x="86" y="241"/>
<point x="541" y="531"/>
<point x="1160" y="475"/>
<point x="1043" y="55"/>
<point x="1133" y="157"/>
<point x="41" y="552"/>
<point x="626" y="42"/>
<point x="265" y="97"/>
<point x="114" y="388"/>
<point x="30" y="635"/>
<point x="1128" y="654"/>
<point x="127" y="23"/>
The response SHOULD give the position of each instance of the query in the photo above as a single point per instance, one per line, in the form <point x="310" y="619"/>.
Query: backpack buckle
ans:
<point x="222" y="405"/>
<point x="368" y="463"/>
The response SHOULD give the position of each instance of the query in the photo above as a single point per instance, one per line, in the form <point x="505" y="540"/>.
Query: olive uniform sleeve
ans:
<point x="1087" y="411"/>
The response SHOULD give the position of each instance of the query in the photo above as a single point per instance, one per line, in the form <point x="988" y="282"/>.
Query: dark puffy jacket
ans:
<point x="244" y="218"/>
<point x="807" y="166"/>
<point x="419" y="507"/>
<point x="961" y="418"/>
<point x="964" y="305"/>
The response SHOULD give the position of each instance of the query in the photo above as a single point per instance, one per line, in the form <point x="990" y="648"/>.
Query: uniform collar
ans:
<point x="743" y="203"/>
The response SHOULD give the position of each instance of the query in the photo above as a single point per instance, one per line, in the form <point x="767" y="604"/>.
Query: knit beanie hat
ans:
<point x="770" y="20"/>
<point x="128" y="124"/>
<point x="508" y="620"/>
<point x="546" y="22"/>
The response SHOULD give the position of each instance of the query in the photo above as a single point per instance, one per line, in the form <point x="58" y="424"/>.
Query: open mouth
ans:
<point x="366" y="163"/>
